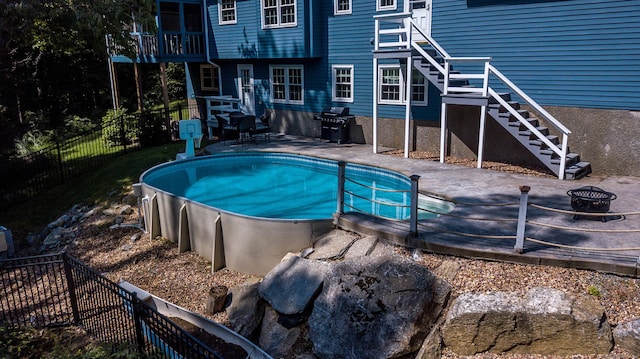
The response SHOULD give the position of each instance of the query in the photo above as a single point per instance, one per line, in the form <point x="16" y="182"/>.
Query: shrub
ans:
<point x="112" y="123"/>
<point x="32" y="141"/>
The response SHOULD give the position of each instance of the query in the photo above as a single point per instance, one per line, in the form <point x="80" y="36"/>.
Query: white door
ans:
<point x="245" y="88"/>
<point x="421" y="14"/>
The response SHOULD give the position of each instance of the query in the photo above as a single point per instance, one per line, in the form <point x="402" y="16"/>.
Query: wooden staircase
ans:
<point x="548" y="145"/>
<point x="574" y="167"/>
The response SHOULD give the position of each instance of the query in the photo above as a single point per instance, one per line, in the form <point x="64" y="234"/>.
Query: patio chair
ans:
<point x="246" y="128"/>
<point x="263" y="126"/>
<point x="221" y="128"/>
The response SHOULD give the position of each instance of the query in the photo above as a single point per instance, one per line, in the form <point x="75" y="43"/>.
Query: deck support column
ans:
<point x="407" y="110"/>
<point x="443" y="131"/>
<point x="483" y="119"/>
<point x="375" y="105"/>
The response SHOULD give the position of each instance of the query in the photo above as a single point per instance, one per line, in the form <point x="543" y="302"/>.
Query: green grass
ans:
<point x="115" y="178"/>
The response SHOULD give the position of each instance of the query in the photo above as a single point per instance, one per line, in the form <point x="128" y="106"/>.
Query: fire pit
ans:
<point x="590" y="199"/>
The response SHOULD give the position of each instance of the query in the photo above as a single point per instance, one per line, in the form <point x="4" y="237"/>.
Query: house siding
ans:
<point x="570" y="53"/>
<point x="247" y="39"/>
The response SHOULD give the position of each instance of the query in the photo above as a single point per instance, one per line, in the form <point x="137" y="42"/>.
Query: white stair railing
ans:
<point x="393" y="32"/>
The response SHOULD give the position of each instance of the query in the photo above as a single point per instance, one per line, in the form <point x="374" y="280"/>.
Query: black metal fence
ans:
<point x="57" y="290"/>
<point x="25" y="177"/>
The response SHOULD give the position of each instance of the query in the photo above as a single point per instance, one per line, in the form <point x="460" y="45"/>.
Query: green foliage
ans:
<point x="76" y="125"/>
<point x="92" y="188"/>
<point x="594" y="291"/>
<point x="32" y="141"/>
<point x="113" y="127"/>
<point x="62" y="343"/>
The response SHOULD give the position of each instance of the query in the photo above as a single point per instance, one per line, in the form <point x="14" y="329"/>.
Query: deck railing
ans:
<point x="393" y="32"/>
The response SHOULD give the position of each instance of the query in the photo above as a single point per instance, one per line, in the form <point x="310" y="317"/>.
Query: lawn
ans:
<point x="91" y="188"/>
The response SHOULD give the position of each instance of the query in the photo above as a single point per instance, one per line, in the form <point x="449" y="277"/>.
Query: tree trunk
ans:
<point x="138" y="76"/>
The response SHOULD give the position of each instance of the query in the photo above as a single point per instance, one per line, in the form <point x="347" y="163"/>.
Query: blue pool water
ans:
<point x="285" y="186"/>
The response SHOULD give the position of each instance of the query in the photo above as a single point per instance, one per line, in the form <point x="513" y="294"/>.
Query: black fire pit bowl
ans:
<point x="591" y="199"/>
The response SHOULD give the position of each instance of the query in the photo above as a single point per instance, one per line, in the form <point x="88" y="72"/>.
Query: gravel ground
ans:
<point x="185" y="279"/>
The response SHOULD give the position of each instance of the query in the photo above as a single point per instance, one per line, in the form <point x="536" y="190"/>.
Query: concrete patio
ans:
<point x="478" y="226"/>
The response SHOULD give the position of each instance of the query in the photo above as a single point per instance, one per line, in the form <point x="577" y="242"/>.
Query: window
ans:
<point x="170" y="16"/>
<point x="385" y="5"/>
<point x="209" y="78"/>
<point x="391" y="87"/>
<point x="193" y="17"/>
<point x="418" y="88"/>
<point x="278" y="13"/>
<point x="227" y="12"/>
<point x="343" y="83"/>
<point x="341" y="7"/>
<point x="287" y="83"/>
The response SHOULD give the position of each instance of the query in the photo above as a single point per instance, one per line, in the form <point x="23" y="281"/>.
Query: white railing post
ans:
<point x="563" y="157"/>
<point x="376" y="41"/>
<point x="522" y="218"/>
<point x="483" y="114"/>
<point x="413" y="229"/>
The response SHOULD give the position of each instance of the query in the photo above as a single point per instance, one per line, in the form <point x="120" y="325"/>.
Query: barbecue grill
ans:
<point x="335" y="124"/>
<point x="590" y="199"/>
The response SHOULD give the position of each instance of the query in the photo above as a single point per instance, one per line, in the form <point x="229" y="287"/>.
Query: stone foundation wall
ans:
<point x="608" y="139"/>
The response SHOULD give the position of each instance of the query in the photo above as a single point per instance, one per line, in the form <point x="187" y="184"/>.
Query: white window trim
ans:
<point x="287" y="99"/>
<point x="342" y="12"/>
<point x="403" y="90"/>
<point x="279" y="25"/>
<point x="235" y="14"/>
<point x="386" y="8"/>
<point x="334" y="83"/>
<point x="213" y="69"/>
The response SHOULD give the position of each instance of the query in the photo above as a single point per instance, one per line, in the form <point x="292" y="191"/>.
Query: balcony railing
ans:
<point x="148" y="45"/>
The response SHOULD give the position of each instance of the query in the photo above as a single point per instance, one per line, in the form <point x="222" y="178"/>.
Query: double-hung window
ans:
<point x="390" y="82"/>
<point x="278" y="13"/>
<point x="391" y="86"/>
<point x="382" y="5"/>
<point x="341" y="7"/>
<point x="342" y="89"/>
<point x="227" y="12"/>
<point x="209" y="78"/>
<point x="287" y="83"/>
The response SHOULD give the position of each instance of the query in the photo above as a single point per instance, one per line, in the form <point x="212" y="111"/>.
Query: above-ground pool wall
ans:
<point x="245" y="244"/>
<point x="608" y="139"/>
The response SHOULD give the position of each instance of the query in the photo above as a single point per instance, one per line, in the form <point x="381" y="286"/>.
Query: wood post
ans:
<point x="217" y="299"/>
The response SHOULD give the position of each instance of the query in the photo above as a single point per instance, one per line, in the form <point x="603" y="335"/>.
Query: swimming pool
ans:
<point x="246" y="210"/>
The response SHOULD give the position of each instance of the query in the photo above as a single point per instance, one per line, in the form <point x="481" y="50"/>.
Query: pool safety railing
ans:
<point x="408" y="205"/>
<point x="517" y="223"/>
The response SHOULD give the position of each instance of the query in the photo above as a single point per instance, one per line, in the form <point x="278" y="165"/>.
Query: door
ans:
<point x="421" y="14"/>
<point x="246" y="89"/>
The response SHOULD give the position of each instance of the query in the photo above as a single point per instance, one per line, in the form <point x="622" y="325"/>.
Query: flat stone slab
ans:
<point x="332" y="244"/>
<point x="293" y="284"/>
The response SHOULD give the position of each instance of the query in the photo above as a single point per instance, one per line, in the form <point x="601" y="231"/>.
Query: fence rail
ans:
<point x="67" y="158"/>
<point x="58" y="290"/>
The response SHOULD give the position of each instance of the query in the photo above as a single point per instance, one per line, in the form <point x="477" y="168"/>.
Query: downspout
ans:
<point x="206" y="43"/>
<point x="310" y="5"/>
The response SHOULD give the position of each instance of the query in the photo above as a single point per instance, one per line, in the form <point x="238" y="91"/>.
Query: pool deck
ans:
<point x="450" y="234"/>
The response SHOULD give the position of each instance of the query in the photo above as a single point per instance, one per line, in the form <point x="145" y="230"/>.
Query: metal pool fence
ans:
<point x="67" y="158"/>
<point x="58" y="290"/>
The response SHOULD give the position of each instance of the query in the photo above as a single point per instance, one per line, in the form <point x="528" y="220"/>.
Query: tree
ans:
<point x="53" y="61"/>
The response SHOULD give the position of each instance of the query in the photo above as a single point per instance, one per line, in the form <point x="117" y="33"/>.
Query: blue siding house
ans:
<point x="532" y="82"/>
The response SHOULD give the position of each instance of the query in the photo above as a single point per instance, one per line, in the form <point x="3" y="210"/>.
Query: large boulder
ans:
<point x="380" y="307"/>
<point x="246" y="309"/>
<point x="292" y="285"/>
<point x="627" y="336"/>
<point x="546" y="321"/>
